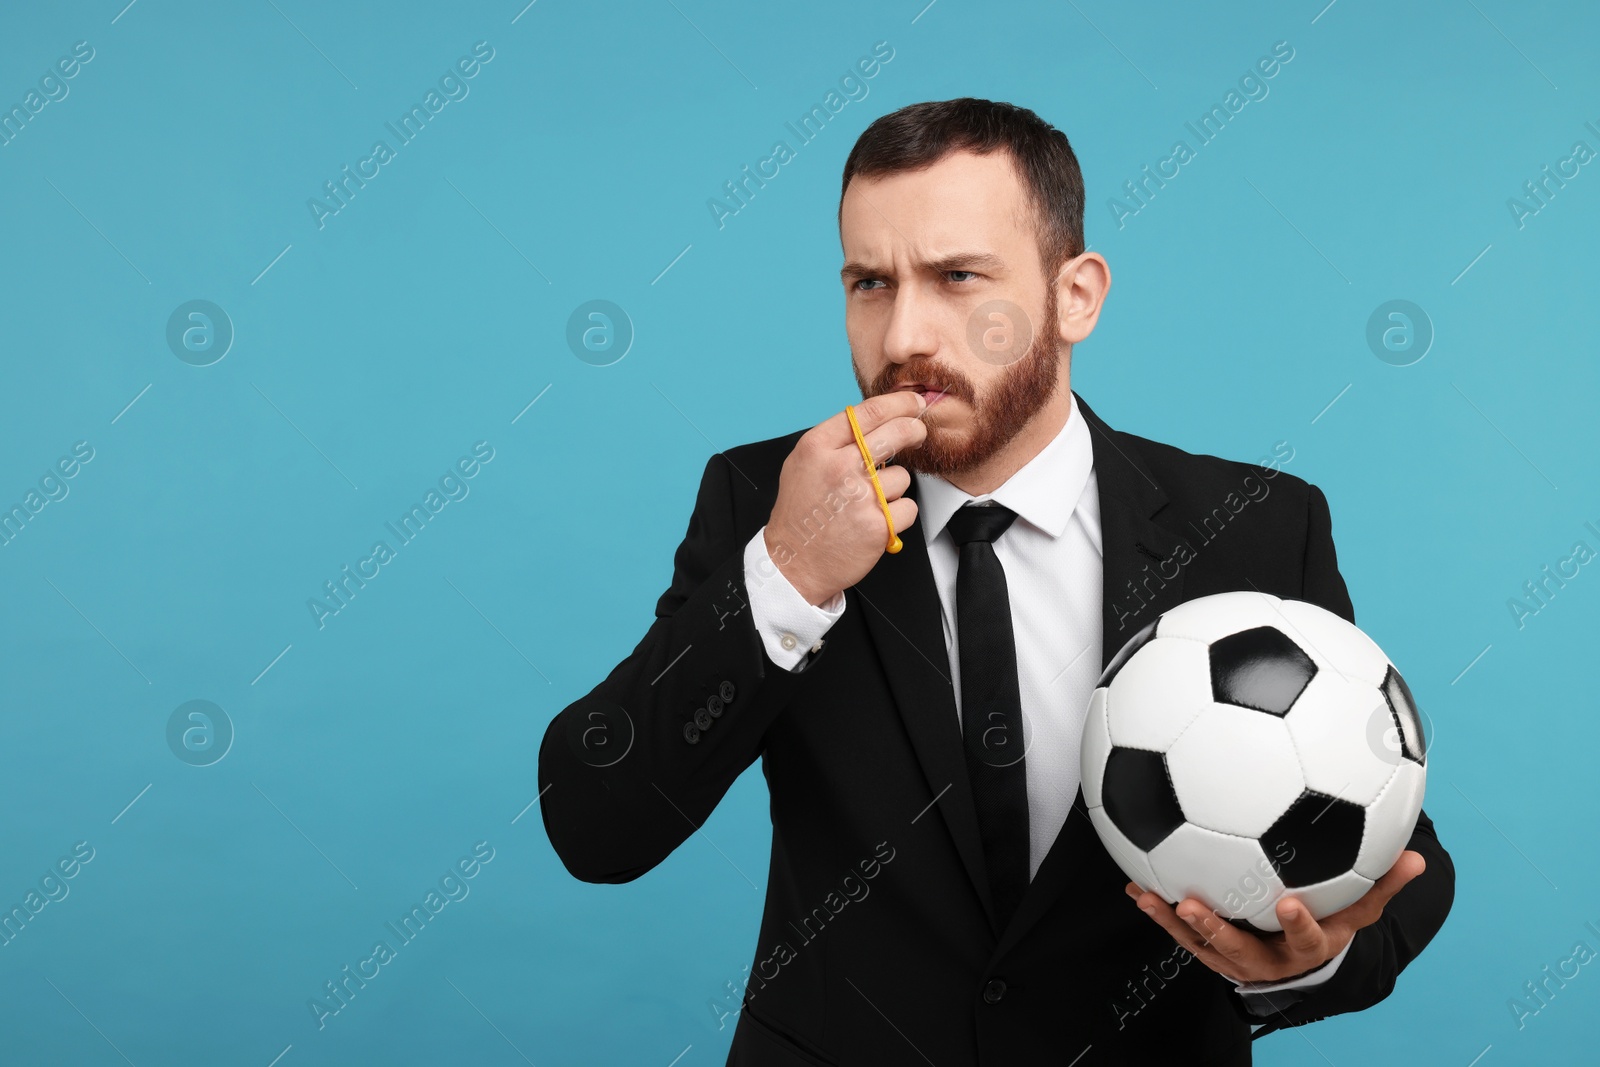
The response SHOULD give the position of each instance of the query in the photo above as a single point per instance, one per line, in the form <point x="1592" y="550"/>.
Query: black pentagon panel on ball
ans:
<point x="1407" y="722"/>
<point x="1318" y="838"/>
<point x="1261" y="669"/>
<point x="1134" y="644"/>
<point x="1138" y="796"/>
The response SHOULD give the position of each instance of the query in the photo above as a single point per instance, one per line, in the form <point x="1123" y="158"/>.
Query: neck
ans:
<point x="1040" y="430"/>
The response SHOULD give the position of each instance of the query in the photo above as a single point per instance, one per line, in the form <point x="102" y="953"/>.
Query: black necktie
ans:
<point x="991" y="702"/>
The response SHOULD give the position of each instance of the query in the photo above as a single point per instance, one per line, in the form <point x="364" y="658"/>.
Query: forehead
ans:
<point x="962" y="200"/>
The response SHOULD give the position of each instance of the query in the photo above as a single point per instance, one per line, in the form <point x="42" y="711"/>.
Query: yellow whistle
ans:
<point x="895" y="544"/>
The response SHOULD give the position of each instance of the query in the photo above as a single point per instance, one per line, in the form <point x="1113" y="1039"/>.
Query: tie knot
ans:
<point x="979" y="522"/>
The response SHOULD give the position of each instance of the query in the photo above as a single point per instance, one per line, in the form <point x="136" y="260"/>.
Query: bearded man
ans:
<point x="871" y="681"/>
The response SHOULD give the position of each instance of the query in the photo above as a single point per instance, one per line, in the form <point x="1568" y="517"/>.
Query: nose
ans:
<point x="912" y="330"/>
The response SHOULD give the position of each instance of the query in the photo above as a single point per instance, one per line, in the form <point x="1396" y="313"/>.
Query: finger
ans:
<point x="1301" y="932"/>
<point x="903" y="512"/>
<point x="895" y="481"/>
<point x="1234" y="945"/>
<point x="1366" y="911"/>
<point x="871" y="413"/>
<point x="894" y="437"/>
<point x="1408" y="866"/>
<point x="1163" y="915"/>
<point x="1160" y="911"/>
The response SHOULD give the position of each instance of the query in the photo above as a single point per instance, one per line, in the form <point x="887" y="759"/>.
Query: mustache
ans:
<point x="934" y="378"/>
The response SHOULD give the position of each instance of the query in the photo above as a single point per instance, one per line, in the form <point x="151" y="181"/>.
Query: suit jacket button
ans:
<point x="714" y="705"/>
<point x="726" y="691"/>
<point x="702" y="718"/>
<point x="994" y="991"/>
<point x="691" y="733"/>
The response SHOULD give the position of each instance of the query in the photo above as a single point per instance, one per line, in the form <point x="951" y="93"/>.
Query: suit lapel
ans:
<point x="1133" y="546"/>
<point x="901" y="606"/>
<point x="1131" y="596"/>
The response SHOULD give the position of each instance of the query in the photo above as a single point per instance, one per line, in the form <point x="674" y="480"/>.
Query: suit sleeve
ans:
<point x="631" y="769"/>
<point x="1378" y="953"/>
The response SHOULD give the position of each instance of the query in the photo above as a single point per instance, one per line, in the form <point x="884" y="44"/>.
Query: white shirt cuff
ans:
<point x="790" y="627"/>
<point x="1316" y="977"/>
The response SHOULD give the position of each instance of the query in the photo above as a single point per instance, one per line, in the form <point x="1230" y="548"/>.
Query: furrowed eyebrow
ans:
<point x="969" y="261"/>
<point x="973" y="261"/>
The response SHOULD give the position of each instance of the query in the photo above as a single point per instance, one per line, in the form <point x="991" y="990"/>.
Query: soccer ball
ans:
<point x="1242" y="747"/>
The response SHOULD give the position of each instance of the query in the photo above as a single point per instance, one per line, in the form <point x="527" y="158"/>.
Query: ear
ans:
<point x="1081" y="288"/>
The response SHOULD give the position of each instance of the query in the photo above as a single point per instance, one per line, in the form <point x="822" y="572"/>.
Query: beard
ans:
<point x="997" y="417"/>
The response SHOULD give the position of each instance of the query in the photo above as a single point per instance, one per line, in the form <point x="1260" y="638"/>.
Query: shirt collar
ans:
<point x="1044" y="491"/>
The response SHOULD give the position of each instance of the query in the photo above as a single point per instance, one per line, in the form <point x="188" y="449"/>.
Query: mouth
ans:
<point x="929" y="394"/>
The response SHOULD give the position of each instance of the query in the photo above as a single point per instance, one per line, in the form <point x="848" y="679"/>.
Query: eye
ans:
<point x="952" y="273"/>
<point x="865" y="284"/>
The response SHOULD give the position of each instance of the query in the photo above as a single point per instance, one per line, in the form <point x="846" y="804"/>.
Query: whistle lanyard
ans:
<point x="895" y="544"/>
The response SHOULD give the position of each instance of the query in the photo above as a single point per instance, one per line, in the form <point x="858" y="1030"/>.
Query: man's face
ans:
<point x="944" y="291"/>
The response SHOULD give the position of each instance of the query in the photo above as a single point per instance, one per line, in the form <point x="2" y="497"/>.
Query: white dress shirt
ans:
<point x="1052" y="559"/>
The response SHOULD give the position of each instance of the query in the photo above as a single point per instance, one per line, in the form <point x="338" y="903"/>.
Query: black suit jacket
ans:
<point x="877" y="945"/>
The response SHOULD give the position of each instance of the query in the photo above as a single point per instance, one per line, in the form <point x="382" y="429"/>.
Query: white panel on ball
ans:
<point x="1211" y="617"/>
<point x="1332" y="643"/>
<point x="1229" y="874"/>
<point x="1390" y="820"/>
<point x="1096" y="745"/>
<point x="1235" y="770"/>
<point x="1130" y="857"/>
<point x="1322" y="899"/>
<point x="1338" y="727"/>
<point x="1163" y="687"/>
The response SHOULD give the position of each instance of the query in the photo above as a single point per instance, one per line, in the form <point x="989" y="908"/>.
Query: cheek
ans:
<point x="866" y="346"/>
<point x="980" y="377"/>
<point x="864" y="323"/>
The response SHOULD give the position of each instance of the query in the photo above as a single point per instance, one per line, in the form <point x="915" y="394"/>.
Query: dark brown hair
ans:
<point x="919" y="135"/>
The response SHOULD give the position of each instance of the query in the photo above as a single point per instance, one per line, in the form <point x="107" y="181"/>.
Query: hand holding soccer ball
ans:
<point x="1256" y="760"/>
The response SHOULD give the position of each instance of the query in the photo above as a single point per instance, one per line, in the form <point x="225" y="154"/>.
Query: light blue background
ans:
<point x="431" y="310"/>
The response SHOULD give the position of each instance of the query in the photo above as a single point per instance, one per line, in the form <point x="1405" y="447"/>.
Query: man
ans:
<point x="925" y="905"/>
